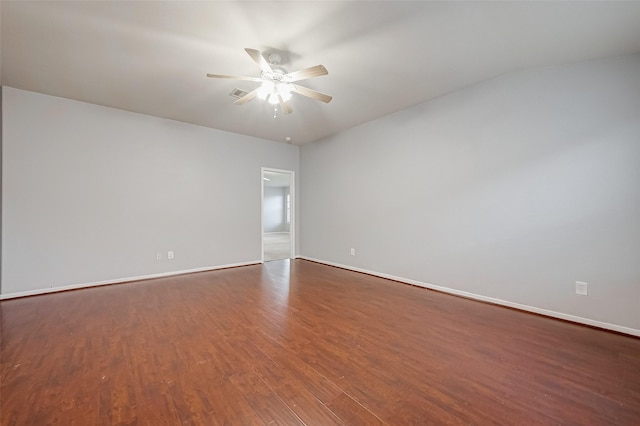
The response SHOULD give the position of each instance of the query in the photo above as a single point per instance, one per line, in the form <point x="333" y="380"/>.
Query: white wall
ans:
<point x="1" y="174"/>
<point x="275" y="205"/>
<point x="512" y="189"/>
<point x="91" y="194"/>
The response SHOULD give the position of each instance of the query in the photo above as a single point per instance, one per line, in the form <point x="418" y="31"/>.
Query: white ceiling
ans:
<point x="151" y="57"/>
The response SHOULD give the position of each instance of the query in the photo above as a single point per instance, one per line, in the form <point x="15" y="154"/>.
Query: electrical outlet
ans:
<point x="169" y="255"/>
<point x="582" y="288"/>
<point x="353" y="252"/>
<point x="158" y="256"/>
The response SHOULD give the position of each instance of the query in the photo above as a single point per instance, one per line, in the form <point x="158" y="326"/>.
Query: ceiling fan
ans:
<point x="277" y="84"/>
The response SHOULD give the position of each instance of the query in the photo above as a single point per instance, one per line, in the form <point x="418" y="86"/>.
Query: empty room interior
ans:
<point x="318" y="213"/>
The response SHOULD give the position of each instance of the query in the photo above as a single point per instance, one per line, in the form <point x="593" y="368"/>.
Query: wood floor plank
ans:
<point x="321" y="388"/>
<point x="264" y="401"/>
<point x="308" y="408"/>
<point x="352" y="413"/>
<point x="302" y="343"/>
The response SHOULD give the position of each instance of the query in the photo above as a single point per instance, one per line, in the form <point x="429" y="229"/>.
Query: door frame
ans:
<point x="292" y="198"/>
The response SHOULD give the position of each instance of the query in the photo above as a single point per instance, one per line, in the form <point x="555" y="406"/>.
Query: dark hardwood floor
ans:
<point x="303" y="343"/>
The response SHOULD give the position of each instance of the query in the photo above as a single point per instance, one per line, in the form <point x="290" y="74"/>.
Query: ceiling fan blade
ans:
<point x="285" y="107"/>
<point x="246" y="98"/>
<point x="259" y="59"/>
<point x="234" y="77"/>
<point x="316" y="71"/>
<point x="310" y="93"/>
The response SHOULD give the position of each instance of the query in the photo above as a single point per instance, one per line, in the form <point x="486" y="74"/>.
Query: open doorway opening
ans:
<point x="278" y="229"/>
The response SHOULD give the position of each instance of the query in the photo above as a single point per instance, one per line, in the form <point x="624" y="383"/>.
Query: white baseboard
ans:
<point x="545" y="312"/>
<point x="122" y="280"/>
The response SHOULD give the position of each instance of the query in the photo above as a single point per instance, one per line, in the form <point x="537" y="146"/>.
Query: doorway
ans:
<point x="278" y="217"/>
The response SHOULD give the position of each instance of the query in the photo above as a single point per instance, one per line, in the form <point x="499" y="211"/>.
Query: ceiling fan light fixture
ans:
<point x="273" y="98"/>
<point x="276" y="83"/>
<point x="284" y="90"/>
<point x="272" y="91"/>
<point x="266" y="89"/>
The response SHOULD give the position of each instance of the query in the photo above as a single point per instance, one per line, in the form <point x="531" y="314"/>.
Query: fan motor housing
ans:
<point x="277" y="74"/>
